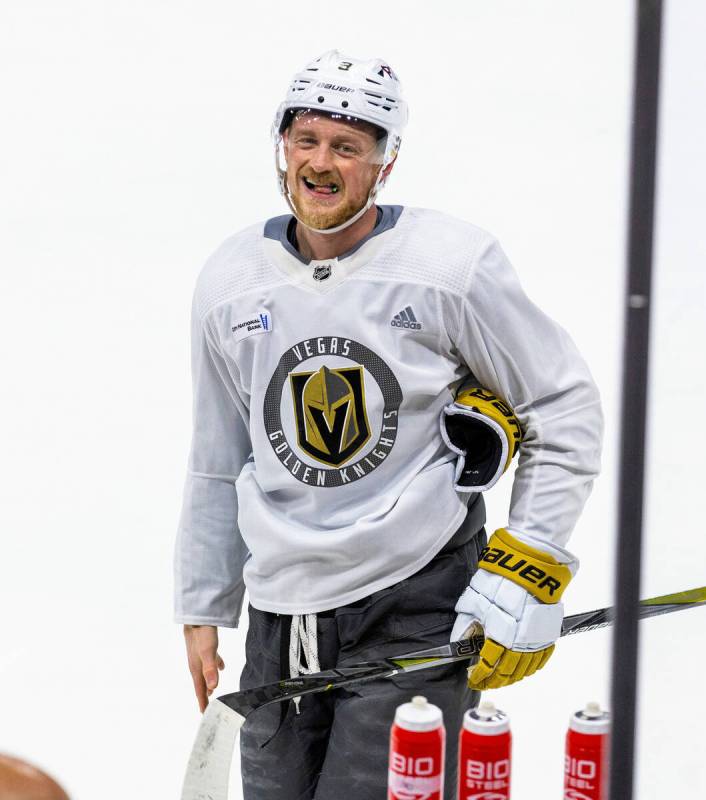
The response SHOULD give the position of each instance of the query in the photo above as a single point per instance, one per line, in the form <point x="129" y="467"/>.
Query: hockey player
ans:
<point x="350" y="366"/>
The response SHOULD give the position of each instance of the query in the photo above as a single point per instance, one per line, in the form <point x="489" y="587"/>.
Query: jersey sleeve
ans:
<point x="516" y="350"/>
<point x="210" y="552"/>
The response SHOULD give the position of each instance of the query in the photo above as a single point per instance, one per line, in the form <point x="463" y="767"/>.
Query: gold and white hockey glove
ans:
<point x="482" y="430"/>
<point x="515" y="596"/>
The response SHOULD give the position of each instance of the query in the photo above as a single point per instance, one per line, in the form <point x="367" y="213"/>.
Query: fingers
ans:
<point x="204" y="661"/>
<point x="545" y="656"/>
<point x="210" y="671"/>
<point x="200" y="689"/>
<point x="490" y="655"/>
<point x="498" y="666"/>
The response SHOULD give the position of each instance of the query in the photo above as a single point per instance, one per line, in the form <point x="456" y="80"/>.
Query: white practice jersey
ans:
<point x="317" y="472"/>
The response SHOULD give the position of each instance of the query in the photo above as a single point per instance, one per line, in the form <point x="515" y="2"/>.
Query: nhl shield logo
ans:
<point x="329" y="409"/>
<point x="322" y="272"/>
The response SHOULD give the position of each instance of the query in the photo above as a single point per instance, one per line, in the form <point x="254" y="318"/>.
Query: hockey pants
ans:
<point x="336" y="748"/>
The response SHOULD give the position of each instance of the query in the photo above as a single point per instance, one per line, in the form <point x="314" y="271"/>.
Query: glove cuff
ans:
<point x="492" y="407"/>
<point x="482" y="431"/>
<point x="466" y="477"/>
<point x="536" y="572"/>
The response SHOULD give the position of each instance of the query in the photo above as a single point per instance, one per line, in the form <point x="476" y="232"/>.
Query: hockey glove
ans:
<point x="515" y="597"/>
<point x="483" y="431"/>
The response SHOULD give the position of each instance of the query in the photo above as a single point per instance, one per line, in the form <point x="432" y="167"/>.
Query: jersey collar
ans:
<point x="327" y="273"/>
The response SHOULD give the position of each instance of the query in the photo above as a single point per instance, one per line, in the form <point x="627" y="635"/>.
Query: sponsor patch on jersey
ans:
<point x="317" y="411"/>
<point x="257" y="322"/>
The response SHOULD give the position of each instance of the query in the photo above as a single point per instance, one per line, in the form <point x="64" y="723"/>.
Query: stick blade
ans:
<point x="208" y="771"/>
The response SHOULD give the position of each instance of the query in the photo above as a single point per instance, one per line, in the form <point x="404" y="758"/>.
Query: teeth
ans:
<point x="312" y="185"/>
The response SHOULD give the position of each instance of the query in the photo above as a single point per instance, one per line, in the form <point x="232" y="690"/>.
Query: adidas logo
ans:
<point x="406" y="319"/>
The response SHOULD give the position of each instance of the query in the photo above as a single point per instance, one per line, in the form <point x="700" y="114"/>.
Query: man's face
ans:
<point x="330" y="168"/>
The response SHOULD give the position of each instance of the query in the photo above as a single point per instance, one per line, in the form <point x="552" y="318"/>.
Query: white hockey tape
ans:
<point x="208" y="771"/>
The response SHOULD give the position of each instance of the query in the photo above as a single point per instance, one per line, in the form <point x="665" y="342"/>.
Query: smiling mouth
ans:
<point x="322" y="189"/>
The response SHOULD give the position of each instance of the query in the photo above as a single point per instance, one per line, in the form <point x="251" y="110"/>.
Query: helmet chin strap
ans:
<point x="371" y="199"/>
<point x="337" y="228"/>
<point x="284" y="189"/>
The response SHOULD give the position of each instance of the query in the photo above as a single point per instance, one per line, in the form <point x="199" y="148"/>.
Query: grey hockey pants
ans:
<point x="336" y="748"/>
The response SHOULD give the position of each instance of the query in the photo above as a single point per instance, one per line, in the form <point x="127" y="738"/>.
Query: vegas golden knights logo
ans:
<point x="329" y="409"/>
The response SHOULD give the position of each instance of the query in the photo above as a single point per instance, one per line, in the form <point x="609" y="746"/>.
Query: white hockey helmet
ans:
<point x="345" y="88"/>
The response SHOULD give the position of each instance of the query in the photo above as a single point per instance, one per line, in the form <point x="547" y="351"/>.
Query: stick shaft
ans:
<point x="634" y="398"/>
<point x="249" y="700"/>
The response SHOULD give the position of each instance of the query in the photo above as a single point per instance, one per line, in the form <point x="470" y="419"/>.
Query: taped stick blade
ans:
<point x="208" y="771"/>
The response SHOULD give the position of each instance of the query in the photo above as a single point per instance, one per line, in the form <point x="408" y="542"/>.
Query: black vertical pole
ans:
<point x="634" y="397"/>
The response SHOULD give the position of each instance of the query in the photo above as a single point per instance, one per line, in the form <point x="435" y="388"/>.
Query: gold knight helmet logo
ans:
<point x="329" y="409"/>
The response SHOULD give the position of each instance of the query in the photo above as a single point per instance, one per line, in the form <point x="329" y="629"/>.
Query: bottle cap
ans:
<point x="419" y="715"/>
<point x="486" y="720"/>
<point x="590" y="719"/>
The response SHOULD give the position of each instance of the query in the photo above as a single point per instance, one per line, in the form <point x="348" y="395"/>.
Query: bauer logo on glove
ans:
<point x="536" y="571"/>
<point x="485" y="434"/>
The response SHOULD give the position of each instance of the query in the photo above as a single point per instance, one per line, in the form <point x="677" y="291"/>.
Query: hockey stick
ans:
<point x="209" y="765"/>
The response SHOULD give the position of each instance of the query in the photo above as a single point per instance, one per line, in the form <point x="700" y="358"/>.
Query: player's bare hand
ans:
<point x="204" y="661"/>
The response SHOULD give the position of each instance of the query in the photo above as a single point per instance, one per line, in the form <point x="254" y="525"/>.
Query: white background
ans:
<point x="133" y="139"/>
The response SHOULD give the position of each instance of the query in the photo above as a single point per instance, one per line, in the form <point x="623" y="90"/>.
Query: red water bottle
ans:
<point x="586" y="760"/>
<point x="417" y="742"/>
<point x="485" y="750"/>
